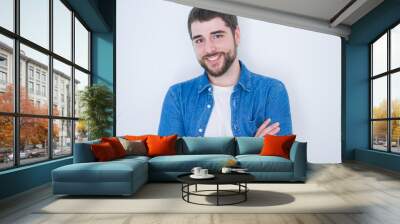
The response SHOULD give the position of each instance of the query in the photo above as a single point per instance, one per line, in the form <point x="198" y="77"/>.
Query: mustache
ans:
<point x="211" y="55"/>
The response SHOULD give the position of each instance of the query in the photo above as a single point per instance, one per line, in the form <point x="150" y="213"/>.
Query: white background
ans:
<point x="154" y="51"/>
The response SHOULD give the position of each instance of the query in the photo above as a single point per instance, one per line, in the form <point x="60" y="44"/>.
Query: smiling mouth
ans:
<point x="213" y="57"/>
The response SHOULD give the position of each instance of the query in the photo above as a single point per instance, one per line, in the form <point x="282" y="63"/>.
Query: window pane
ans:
<point x="62" y="89"/>
<point x="33" y="140"/>
<point x="6" y="142"/>
<point x="34" y="97"/>
<point x="395" y="47"/>
<point x="395" y="94"/>
<point x="379" y="135"/>
<point x="81" y="45"/>
<point x="35" y="21"/>
<point x="6" y="74"/>
<point x="81" y="81"/>
<point x="395" y="132"/>
<point x="7" y="14"/>
<point x="379" y="55"/>
<point x="62" y="137"/>
<point x="379" y="100"/>
<point x="62" y="29"/>
<point x="81" y="131"/>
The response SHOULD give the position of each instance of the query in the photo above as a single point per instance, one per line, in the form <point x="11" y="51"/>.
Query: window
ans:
<point x="37" y="89"/>
<point x="81" y="45"/>
<point x="37" y="74"/>
<point x="7" y="14"/>
<point x="30" y="87"/>
<point x="3" y="72"/>
<point x="43" y="77"/>
<point x="30" y="72"/>
<point x="3" y="78"/>
<point x="3" y="61"/>
<point x="41" y="83"/>
<point x="44" y="91"/>
<point x="385" y="91"/>
<point x="6" y="73"/>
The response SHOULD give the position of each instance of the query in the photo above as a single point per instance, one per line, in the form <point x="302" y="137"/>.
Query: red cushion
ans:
<point x="103" y="151"/>
<point x="137" y="137"/>
<point x="277" y="145"/>
<point x="116" y="145"/>
<point x="161" y="145"/>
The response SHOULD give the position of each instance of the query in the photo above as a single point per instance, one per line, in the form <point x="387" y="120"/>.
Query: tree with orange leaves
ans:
<point x="33" y="130"/>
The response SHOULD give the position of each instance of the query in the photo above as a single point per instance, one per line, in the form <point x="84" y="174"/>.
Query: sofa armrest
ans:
<point x="83" y="152"/>
<point x="298" y="155"/>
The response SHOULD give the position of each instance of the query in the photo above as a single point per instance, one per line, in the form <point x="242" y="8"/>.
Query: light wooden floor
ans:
<point x="378" y="188"/>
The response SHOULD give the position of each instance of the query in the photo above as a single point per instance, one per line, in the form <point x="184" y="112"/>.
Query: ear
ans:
<point x="237" y="35"/>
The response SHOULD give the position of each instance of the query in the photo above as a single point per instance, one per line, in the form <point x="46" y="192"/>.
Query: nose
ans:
<point x="210" y="47"/>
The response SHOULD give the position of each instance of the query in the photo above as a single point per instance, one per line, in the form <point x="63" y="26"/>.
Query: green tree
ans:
<point x="97" y="104"/>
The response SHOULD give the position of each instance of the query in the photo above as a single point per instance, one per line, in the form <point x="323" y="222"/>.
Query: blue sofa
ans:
<point x="125" y="176"/>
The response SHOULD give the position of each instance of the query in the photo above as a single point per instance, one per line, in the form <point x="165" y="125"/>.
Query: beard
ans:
<point x="228" y="59"/>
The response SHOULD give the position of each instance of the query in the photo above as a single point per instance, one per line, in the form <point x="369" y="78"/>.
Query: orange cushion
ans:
<point x="161" y="145"/>
<point x="137" y="137"/>
<point x="103" y="151"/>
<point x="277" y="145"/>
<point x="116" y="145"/>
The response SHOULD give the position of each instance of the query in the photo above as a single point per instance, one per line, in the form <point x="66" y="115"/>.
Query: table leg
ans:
<point x="196" y="188"/>
<point x="217" y="194"/>
<point x="245" y="193"/>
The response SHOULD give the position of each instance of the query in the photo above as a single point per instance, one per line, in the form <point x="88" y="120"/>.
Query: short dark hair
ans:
<point x="203" y="15"/>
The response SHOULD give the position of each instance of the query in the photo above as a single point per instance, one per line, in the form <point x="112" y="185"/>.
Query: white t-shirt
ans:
<point x="219" y="123"/>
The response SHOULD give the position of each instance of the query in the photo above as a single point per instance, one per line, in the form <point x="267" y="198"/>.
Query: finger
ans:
<point x="269" y="128"/>
<point x="263" y="126"/>
<point x="273" y="131"/>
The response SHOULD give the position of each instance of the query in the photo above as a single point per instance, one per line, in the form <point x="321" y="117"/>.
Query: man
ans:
<point x="227" y="99"/>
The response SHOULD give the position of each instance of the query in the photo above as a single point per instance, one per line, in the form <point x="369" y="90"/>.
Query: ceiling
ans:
<point x="326" y="16"/>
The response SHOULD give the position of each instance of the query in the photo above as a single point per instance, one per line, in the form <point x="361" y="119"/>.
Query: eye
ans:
<point x="218" y="36"/>
<point x="198" y="41"/>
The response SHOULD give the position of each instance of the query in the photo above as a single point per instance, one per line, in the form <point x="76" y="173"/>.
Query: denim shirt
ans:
<point x="187" y="106"/>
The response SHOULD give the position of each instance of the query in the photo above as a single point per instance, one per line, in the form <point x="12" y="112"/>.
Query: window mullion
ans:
<point x="73" y="82"/>
<point x="389" y="113"/>
<point x="50" y="87"/>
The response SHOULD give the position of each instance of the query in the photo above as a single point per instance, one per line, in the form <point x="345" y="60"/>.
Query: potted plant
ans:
<point x="96" y="102"/>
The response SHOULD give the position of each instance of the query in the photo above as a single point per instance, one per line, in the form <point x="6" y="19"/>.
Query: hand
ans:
<point x="267" y="128"/>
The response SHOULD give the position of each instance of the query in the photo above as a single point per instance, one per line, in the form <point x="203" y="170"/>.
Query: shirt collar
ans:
<point x="244" y="80"/>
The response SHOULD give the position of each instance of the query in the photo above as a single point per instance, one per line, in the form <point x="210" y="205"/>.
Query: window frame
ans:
<point x="388" y="74"/>
<point x="15" y="72"/>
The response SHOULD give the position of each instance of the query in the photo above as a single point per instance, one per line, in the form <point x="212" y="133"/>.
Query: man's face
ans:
<point x="215" y="45"/>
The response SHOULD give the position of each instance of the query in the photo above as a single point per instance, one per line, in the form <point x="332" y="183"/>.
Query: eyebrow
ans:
<point x="214" y="32"/>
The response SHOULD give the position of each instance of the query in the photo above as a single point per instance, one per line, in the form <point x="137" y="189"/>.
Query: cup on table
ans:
<point x="203" y="172"/>
<point x="226" y="170"/>
<point x="196" y="171"/>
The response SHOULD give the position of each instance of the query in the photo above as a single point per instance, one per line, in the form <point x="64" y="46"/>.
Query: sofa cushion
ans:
<point x="257" y="163"/>
<point x="116" y="145"/>
<point x="111" y="171"/>
<point x="103" y="152"/>
<point x="206" y="145"/>
<point x="135" y="147"/>
<point x="249" y="145"/>
<point x="277" y="145"/>
<point x="161" y="145"/>
<point x="185" y="163"/>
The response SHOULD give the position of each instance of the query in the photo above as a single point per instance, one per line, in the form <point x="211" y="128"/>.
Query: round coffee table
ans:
<point x="238" y="179"/>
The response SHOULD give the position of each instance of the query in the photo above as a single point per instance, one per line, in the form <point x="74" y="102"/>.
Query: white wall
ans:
<point x="154" y="51"/>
